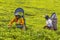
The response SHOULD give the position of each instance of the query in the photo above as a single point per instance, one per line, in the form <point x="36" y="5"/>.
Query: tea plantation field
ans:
<point x="34" y="15"/>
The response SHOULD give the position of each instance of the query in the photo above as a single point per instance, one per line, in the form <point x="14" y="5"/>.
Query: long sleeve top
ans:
<point x="18" y="21"/>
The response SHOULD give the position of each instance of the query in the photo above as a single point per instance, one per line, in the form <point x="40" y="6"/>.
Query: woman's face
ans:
<point x="47" y="17"/>
<point x="17" y="16"/>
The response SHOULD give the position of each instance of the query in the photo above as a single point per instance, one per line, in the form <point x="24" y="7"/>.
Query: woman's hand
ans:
<point x="9" y="26"/>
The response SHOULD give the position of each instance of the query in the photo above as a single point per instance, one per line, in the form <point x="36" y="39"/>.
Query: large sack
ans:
<point x="54" y="21"/>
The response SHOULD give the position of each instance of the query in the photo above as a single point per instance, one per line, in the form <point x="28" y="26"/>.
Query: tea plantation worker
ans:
<point x="54" y="21"/>
<point x="48" y="22"/>
<point x="18" y="19"/>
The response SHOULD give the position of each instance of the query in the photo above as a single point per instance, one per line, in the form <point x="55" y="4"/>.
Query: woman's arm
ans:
<point x="11" y="22"/>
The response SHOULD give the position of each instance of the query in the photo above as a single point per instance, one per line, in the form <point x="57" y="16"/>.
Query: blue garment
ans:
<point x="19" y="10"/>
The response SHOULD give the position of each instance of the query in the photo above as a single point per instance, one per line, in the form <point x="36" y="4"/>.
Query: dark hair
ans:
<point x="47" y="17"/>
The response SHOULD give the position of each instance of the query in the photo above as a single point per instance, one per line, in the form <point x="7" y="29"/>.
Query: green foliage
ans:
<point x="34" y="15"/>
